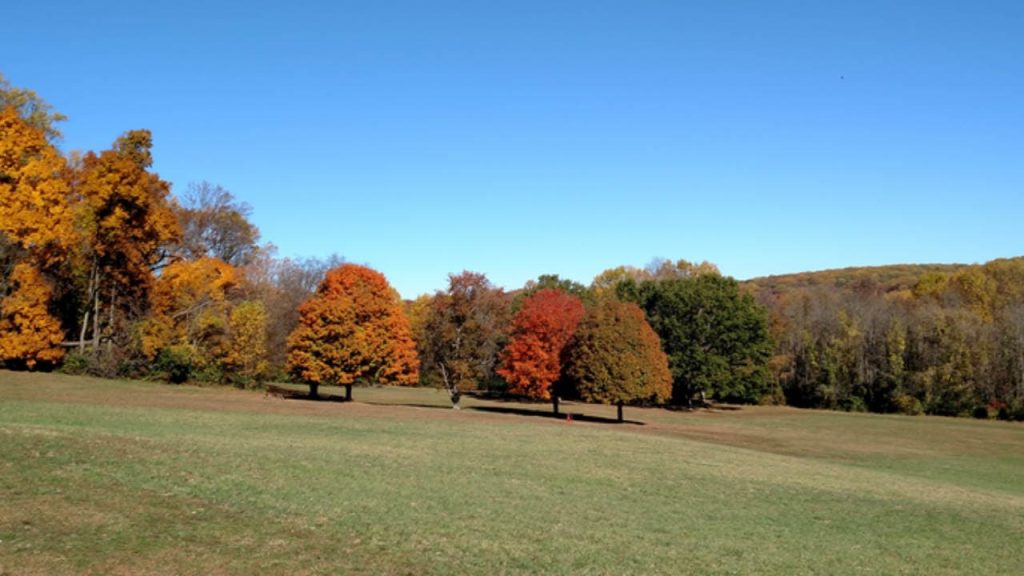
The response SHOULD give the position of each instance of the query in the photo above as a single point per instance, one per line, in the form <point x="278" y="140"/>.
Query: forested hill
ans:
<point x="934" y="338"/>
<point x="891" y="278"/>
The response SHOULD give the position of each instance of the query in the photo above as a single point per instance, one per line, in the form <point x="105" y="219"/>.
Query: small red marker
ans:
<point x="568" y="418"/>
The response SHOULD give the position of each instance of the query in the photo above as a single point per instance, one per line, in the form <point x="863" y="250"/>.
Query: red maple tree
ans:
<point x="532" y="361"/>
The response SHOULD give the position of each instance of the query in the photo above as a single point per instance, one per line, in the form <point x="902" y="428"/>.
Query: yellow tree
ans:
<point x="190" y="311"/>
<point x="245" y="354"/>
<point x="35" y="213"/>
<point x="29" y="335"/>
<point x="353" y="329"/>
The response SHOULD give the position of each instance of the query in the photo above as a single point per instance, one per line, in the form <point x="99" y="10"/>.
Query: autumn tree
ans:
<point x="190" y="308"/>
<point x="29" y="335"/>
<point x="418" y="311"/>
<point x="541" y="329"/>
<point x="353" y="330"/>
<point x="245" y="352"/>
<point x="616" y="358"/>
<point x="36" y="215"/>
<point x="464" y="332"/>
<point x="214" y="224"/>
<point x="129" y="226"/>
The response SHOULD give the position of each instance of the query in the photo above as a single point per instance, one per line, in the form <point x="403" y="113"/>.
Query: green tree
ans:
<point x="716" y="336"/>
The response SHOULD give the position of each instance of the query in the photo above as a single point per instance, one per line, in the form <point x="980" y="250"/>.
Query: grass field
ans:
<point x="115" y="477"/>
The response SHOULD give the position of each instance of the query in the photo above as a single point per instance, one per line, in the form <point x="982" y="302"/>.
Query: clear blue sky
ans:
<point x="522" y="138"/>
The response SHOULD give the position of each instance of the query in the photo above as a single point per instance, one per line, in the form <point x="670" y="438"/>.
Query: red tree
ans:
<point x="532" y="361"/>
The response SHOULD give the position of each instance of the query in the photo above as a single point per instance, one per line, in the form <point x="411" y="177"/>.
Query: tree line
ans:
<point x="104" y="271"/>
<point x="945" y="340"/>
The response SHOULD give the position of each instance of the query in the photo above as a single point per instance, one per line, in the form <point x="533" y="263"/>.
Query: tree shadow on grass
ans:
<point x="410" y="405"/>
<point x="578" y="417"/>
<point x="697" y="407"/>
<point x="290" y="394"/>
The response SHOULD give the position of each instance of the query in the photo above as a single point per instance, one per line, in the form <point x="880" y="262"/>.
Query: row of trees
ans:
<point x="646" y="338"/>
<point x="355" y="329"/>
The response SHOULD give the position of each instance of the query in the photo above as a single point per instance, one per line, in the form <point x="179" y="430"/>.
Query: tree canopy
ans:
<point x="616" y="358"/>
<point x="464" y="331"/>
<point x="716" y="336"/>
<point x="541" y="329"/>
<point x="353" y="329"/>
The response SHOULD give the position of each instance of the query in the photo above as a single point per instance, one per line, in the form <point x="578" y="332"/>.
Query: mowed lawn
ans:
<point x="117" y="477"/>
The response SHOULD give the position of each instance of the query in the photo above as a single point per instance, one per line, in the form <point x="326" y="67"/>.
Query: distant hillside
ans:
<point x="873" y="278"/>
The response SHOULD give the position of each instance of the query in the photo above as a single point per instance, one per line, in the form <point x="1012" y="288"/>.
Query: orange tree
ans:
<point x="532" y="361"/>
<point x="352" y="330"/>
<point x="616" y="358"/>
<point x="128" y="223"/>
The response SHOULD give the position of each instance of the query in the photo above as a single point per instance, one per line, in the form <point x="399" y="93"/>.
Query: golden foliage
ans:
<point x="616" y="357"/>
<point x="29" y="334"/>
<point x="246" y="349"/>
<point x="190" y="306"/>
<point x="35" y="212"/>
<point x="126" y="213"/>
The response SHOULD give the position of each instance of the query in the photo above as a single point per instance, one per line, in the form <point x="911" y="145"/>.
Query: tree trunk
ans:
<point x="313" y="389"/>
<point x="110" y="325"/>
<point x="453" y="389"/>
<point x="81" y="334"/>
<point x="85" y="319"/>
<point x="620" y="412"/>
<point x="348" y="392"/>
<point x="96" y="316"/>
<point x="554" y="403"/>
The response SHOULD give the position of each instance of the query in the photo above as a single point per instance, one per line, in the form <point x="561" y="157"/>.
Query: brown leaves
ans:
<point x="616" y="357"/>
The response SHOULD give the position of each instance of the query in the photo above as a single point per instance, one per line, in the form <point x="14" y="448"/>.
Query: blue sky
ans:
<point x="523" y="138"/>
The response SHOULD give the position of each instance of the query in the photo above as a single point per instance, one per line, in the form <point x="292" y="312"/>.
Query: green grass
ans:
<point x="104" y="477"/>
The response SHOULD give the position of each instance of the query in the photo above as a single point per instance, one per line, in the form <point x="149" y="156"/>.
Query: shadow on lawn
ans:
<point x="542" y="414"/>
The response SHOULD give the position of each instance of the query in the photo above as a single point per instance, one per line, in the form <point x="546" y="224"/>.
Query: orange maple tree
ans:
<point x="543" y="326"/>
<point x="29" y="334"/>
<point x="353" y="329"/>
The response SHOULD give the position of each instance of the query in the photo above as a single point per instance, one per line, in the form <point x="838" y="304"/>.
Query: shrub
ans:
<point x="76" y="363"/>
<point x="907" y="404"/>
<point x="174" y="363"/>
